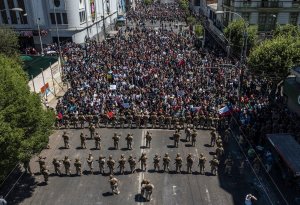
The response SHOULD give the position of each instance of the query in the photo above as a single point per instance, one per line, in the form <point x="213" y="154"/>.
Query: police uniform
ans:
<point x="77" y="165"/>
<point x="213" y="137"/>
<point x="45" y="173"/>
<point x="114" y="185"/>
<point x="81" y="119"/>
<point x="156" y="161"/>
<point x="187" y="134"/>
<point x="42" y="163"/>
<point x="92" y="130"/>
<point x="90" y="162"/>
<point x="129" y="140"/>
<point x="143" y="160"/>
<point x="116" y="139"/>
<point x="220" y="151"/>
<point x="189" y="163"/>
<point x="194" y="137"/>
<point x="166" y="162"/>
<point x="66" y="138"/>
<point x="122" y="120"/>
<point x="56" y="163"/>
<point x="122" y="162"/>
<point x="161" y="120"/>
<point x="214" y="163"/>
<point x="101" y="162"/>
<point x="153" y="119"/>
<point x="176" y="137"/>
<point x="132" y="163"/>
<point x="111" y="164"/>
<point x="97" y="141"/>
<point x="148" y="139"/>
<point x="178" y="163"/>
<point x="201" y="164"/>
<point x="67" y="164"/>
<point x="83" y="140"/>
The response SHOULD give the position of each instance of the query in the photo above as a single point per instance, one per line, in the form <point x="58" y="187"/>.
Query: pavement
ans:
<point x="170" y="188"/>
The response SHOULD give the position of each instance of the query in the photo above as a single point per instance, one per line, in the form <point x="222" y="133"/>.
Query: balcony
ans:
<point x="258" y="4"/>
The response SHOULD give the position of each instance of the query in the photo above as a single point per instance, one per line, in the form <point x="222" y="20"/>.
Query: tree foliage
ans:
<point x="191" y="20"/>
<point x="199" y="30"/>
<point x="24" y="124"/>
<point x="148" y="2"/>
<point x="184" y="4"/>
<point x="287" y="30"/>
<point x="235" y="33"/>
<point x="274" y="57"/>
<point x="8" y="42"/>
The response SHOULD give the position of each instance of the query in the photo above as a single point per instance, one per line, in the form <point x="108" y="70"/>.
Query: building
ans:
<point x="266" y="14"/>
<point x="59" y="20"/>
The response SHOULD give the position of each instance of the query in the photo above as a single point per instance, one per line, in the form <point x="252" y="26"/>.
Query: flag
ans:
<point x="225" y="111"/>
<point x="110" y="115"/>
<point x="59" y="116"/>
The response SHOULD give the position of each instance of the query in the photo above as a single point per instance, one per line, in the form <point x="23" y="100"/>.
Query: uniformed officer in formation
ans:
<point x="101" y="162"/>
<point x="194" y="137"/>
<point x="219" y="141"/>
<point x="189" y="163"/>
<point x="156" y="161"/>
<point x="161" y="121"/>
<point x="56" y="163"/>
<point x="132" y="163"/>
<point x="226" y="135"/>
<point x="116" y="139"/>
<point x="228" y="165"/>
<point x="81" y="119"/>
<point x="143" y="160"/>
<point x="111" y="164"/>
<point x="201" y="163"/>
<point x="114" y="184"/>
<point x="26" y="164"/>
<point x="90" y="162"/>
<point x="176" y="137"/>
<point x="77" y="165"/>
<point x="220" y="151"/>
<point x="42" y="163"/>
<point x="45" y="173"/>
<point x="188" y="134"/>
<point x="82" y="140"/>
<point x="178" y="163"/>
<point x="66" y="139"/>
<point x="122" y="162"/>
<point x="67" y="164"/>
<point x="148" y="190"/>
<point x="148" y="139"/>
<point x="129" y="140"/>
<point x="213" y="137"/>
<point x="153" y="119"/>
<point x="97" y="139"/>
<point x="92" y="129"/>
<point x="214" y="163"/>
<point x="166" y="162"/>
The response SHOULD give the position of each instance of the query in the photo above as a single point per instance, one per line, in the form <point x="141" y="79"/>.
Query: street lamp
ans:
<point x="13" y="9"/>
<point x="244" y="48"/>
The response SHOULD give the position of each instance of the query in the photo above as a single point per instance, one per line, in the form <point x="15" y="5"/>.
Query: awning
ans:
<point x="288" y="149"/>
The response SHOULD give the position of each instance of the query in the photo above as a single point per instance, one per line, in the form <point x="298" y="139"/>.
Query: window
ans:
<point x="58" y="18"/>
<point x="294" y="18"/>
<point x="56" y="3"/>
<point x="13" y="14"/>
<point x="82" y="16"/>
<point x="266" y="21"/>
<point x="22" y="17"/>
<point x="52" y="17"/>
<point x="65" y="18"/>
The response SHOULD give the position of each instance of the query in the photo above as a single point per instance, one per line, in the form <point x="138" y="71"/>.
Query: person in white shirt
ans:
<point x="249" y="198"/>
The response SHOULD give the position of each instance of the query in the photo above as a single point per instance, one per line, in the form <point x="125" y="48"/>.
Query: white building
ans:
<point x="68" y="20"/>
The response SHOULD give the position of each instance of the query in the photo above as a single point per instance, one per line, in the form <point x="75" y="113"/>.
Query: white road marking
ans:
<point x="207" y="195"/>
<point x="141" y="174"/>
<point x="174" y="190"/>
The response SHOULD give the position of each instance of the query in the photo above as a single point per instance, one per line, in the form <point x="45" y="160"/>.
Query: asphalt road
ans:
<point x="170" y="188"/>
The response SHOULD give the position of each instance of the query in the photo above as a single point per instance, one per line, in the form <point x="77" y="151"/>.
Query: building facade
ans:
<point x="63" y="20"/>
<point x="266" y="14"/>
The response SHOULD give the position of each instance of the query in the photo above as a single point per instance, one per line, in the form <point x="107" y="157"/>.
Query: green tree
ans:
<point x="274" y="57"/>
<point x="8" y="42"/>
<point x="24" y="124"/>
<point x="148" y="2"/>
<point x="235" y="33"/>
<point x="184" y="4"/>
<point x="287" y="30"/>
<point x="191" y="20"/>
<point x="199" y="30"/>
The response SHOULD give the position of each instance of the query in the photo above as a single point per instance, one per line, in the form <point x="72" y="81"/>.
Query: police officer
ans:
<point x="176" y="137"/>
<point x="226" y="135"/>
<point x="77" y="165"/>
<point x="132" y="163"/>
<point x="219" y="141"/>
<point x="166" y="162"/>
<point x="148" y="139"/>
<point x="148" y="191"/>
<point x="143" y="184"/>
<point x="116" y="139"/>
<point x="111" y="164"/>
<point x="201" y="163"/>
<point x="101" y="162"/>
<point x="228" y="165"/>
<point x="97" y="139"/>
<point x="122" y="120"/>
<point x="189" y="163"/>
<point x="92" y="129"/>
<point x="129" y="119"/>
<point x="156" y="161"/>
<point x="129" y="140"/>
<point x="138" y="120"/>
<point x="153" y="119"/>
<point x="220" y="151"/>
<point x="81" y="119"/>
<point x="194" y="137"/>
<point x="90" y="162"/>
<point x="161" y="120"/>
<point x="26" y="164"/>
<point x="143" y="160"/>
<point x="214" y="163"/>
<point x="42" y="163"/>
<point x="187" y="134"/>
<point x="213" y="137"/>
<point x="67" y="164"/>
<point x="82" y="140"/>
<point x="178" y="163"/>
<point x="56" y="163"/>
<point x="45" y="173"/>
<point x="122" y="162"/>
<point x="66" y="139"/>
<point x="114" y="184"/>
